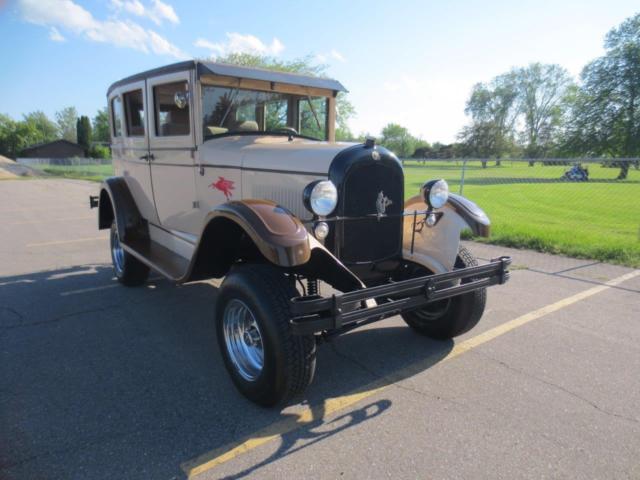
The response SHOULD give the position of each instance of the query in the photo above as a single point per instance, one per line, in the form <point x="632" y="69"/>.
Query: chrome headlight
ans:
<point x="320" y="197"/>
<point x="435" y="193"/>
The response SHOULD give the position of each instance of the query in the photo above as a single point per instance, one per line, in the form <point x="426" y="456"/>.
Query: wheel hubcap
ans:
<point x="243" y="340"/>
<point x="117" y="252"/>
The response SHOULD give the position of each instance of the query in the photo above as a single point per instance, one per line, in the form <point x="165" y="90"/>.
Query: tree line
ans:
<point x="540" y="111"/>
<point x="36" y="127"/>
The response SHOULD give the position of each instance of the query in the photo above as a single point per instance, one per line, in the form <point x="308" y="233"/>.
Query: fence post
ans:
<point x="464" y="167"/>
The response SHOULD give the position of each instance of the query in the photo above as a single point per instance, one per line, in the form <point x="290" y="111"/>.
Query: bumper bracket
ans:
<point x="314" y="314"/>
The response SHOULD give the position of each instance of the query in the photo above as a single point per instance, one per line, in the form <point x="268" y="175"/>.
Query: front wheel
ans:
<point x="454" y="316"/>
<point x="267" y="363"/>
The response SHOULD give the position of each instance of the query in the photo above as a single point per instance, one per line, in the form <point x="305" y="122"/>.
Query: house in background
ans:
<point x="55" y="149"/>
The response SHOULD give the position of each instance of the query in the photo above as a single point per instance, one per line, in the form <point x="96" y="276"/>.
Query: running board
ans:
<point x="160" y="258"/>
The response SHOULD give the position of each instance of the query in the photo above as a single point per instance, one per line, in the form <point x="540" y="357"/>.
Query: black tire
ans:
<point x="128" y="269"/>
<point x="449" y="318"/>
<point x="289" y="360"/>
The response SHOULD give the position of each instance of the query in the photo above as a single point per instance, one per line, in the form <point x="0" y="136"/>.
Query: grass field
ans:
<point x="531" y="208"/>
<point x="95" y="173"/>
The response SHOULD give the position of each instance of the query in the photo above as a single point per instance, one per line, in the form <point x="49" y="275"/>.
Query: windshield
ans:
<point x="231" y="110"/>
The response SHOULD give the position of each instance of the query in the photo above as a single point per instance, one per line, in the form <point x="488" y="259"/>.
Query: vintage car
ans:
<point x="234" y="172"/>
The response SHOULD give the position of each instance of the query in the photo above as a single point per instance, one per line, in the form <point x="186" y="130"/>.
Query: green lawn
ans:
<point x="95" y="173"/>
<point x="530" y="207"/>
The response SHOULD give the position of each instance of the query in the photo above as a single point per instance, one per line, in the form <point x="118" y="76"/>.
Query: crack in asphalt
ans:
<point x="421" y="393"/>
<point x="65" y="316"/>
<point x="58" y="318"/>
<point x="389" y="378"/>
<point x="561" y="388"/>
<point x="82" y="445"/>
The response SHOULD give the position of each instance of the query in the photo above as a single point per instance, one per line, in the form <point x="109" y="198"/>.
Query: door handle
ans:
<point x="144" y="157"/>
<point x="149" y="157"/>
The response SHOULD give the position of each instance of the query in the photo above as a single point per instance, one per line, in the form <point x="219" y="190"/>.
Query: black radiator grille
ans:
<point x="371" y="239"/>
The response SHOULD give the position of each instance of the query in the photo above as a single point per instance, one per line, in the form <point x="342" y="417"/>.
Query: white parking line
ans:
<point x="50" y="220"/>
<point x="90" y="289"/>
<point x="100" y="287"/>
<point x="63" y="242"/>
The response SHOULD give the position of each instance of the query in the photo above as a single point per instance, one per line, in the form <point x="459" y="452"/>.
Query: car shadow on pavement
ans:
<point x="103" y="381"/>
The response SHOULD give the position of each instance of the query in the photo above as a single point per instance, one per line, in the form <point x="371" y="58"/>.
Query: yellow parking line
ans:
<point x="63" y="242"/>
<point x="224" y="454"/>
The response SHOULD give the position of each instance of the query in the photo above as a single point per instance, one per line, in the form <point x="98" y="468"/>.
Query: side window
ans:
<point x="171" y="102"/>
<point x="116" y="116"/>
<point x="134" y="112"/>
<point x="313" y="117"/>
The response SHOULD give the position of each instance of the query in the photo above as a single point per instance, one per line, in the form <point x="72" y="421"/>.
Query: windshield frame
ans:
<point x="295" y="94"/>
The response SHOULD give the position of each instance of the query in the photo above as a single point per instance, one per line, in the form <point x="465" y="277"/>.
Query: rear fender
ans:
<point x="436" y="248"/>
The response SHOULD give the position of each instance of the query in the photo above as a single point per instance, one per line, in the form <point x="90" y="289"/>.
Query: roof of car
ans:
<point x="227" y="70"/>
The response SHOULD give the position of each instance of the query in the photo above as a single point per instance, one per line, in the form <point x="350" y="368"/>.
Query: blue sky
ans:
<point x="411" y="62"/>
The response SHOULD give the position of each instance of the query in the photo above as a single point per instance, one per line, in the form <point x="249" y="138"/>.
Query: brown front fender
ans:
<point x="274" y="234"/>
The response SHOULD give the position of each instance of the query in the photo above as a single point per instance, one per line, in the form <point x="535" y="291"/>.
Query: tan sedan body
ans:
<point x="225" y="171"/>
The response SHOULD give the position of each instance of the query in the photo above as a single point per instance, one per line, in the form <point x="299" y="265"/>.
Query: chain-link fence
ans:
<point x="580" y="207"/>
<point x="84" y="168"/>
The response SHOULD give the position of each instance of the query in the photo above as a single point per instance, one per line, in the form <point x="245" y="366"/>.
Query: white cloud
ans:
<point x="161" y="46"/>
<point x="332" y="55"/>
<point x="67" y="15"/>
<point x="336" y="55"/>
<point x="55" y="35"/>
<point x="239" y="43"/>
<point x="157" y="11"/>
<point x="63" y="13"/>
<point x="215" y="48"/>
<point x="164" y="11"/>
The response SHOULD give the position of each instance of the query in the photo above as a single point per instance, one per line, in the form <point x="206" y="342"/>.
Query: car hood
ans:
<point x="267" y="152"/>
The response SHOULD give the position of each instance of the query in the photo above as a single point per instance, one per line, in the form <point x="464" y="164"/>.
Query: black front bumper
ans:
<point x="313" y="314"/>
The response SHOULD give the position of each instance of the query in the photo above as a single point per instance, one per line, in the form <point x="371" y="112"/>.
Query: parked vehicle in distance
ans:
<point x="577" y="173"/>
<point x="226" y="171"/>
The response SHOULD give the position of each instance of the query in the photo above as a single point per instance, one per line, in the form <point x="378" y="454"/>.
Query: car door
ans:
<point x="128" y="105"/>
<point x="172" y="151"/>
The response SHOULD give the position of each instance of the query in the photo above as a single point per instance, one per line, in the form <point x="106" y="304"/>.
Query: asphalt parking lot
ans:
<point x="101" y="381"/>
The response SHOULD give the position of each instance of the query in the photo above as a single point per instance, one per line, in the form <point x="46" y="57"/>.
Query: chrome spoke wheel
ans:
<point x="117" y="252"/>
<point x="243" y="340"/>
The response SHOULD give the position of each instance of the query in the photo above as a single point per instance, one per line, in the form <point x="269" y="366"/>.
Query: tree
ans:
<point x="15" y="136"/>
<point x="398" y="139"/>
<point x="494" y="109"/>
<point x="525" y="104"/>
<point x="47" y="130"/>
<point x="101" y="126"/>
<point x="344" y="111"/>
<point x="542" y="92"/>
<point x="66" y="120"/>
<point x="305" y="66"/>
<point x="83" y="133"/>
<point x="606" y="112"/>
